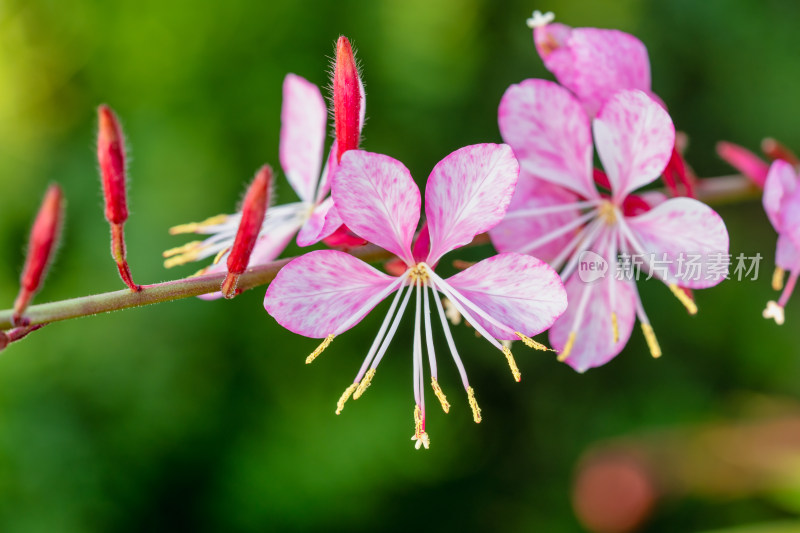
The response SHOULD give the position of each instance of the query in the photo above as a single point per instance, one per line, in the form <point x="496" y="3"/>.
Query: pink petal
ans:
<point x="303" y="117"/>
<point x="514" y="233"/>
<point x="779" y="190"/>
<point x="378" y="200"/>
<point x="634" y="138"/>
<point x="519" y="291"/>
<point x="268" y="247"/>
<point x="594" y="340"/>
<point x="324" y="220"/>
<point x="680" y="228"/>
<point x="595" y="63"/>
<point x="316" y="294"/>
<point x="787" y="255"/>
<point x="468" y="193"/>
<point x="549" y="133"/>
<point x="744" y="161"/>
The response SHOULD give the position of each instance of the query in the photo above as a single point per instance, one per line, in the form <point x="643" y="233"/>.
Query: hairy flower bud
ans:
<point x="43" y="239"/>
<point x="254" y="210"/>
<point x="346" y="98"/>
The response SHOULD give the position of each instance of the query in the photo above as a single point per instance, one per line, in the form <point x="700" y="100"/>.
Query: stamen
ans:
<point x="192" y="227"/>
<point x="544" y="239"/>
<point x="550" y="209"/>
<point x="775" y="312"/>
<point x="188" y="247"/>
<point x="652" y="342"/>
<point x="777" y="279"/>
<point x="530" y="343"/>
<point x="449" y="336"/>
<point x="596" y="228"/>
<point x="320" y="349"/>
<point x="437" y="390"/>
<point x="219" y="256"/>
<point x="683" y="298"/>
<point x="537" y="20"/>
<point x="184" y="258"/>
<point x="569" y="250"/>
<point x="344" y="397"/>
<point x="512" y="364"/>
<point x="365" y="383"/>
<point x="567" y="348"/>
<point x="615" y="326"/>
<point x="451" y="312"/>
<point x="473" y="404"/>
<point x="420" y="436"/>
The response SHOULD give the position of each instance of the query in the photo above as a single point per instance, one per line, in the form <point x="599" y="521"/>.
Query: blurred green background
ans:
<point x="201" y="416"/>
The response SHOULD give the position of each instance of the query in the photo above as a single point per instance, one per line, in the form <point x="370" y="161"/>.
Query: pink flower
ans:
<point x="303" y="130"/>
<point x="558" y="213"/>
<point x="509" y="296"/>
<point x="782" y="203"/>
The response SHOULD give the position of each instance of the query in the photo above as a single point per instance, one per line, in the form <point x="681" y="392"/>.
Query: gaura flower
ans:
<point x="509" y="296"/>
<point x="551" y="135"/>
<point x="303" y="131"/>
<point x="782" y="203"/>
<point x="595" y="63"/>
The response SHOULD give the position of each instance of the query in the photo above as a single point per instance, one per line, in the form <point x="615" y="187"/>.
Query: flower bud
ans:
<point x="346" y="98"/>
<point x="744" y="161"/>
<point x="254" y="210"/>
<point x="42" y="243"/>
<point x="775" y="150"/>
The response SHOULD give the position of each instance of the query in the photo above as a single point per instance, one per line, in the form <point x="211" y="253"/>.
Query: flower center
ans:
<point x="607" y="212"/>
<point x="419" y="273"/>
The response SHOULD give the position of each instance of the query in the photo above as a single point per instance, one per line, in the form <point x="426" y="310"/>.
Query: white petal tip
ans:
<point x="538" y="19"/>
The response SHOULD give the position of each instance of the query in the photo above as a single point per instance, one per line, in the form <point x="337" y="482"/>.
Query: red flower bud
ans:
<point x="775" y="150"/>
<point x="44" y="235"/>
<point x="254" y="210"/>
<point x="111" y="155"/>
<point x="744" y="161"/>
<point x="346" y="98"/>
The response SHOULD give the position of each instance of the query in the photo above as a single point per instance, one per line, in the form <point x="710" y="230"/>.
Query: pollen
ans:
<point x="567" y="347"/>
<point x="473" y="404"/>
<point x="539" y="19"/>
<point x="321" y="348"/>
<point x="512" y="364"/>
<point x="777" y="279"/>
<point x="183" y="254"/>
<point x="615" y="327"/>
<point x="192" y="227"/>
<point x="344" y="397"/>
<point x="775" y="312"/>
<point x="420" y="436"/>
<point x="437" y="390"/>
<point x="530" y="343"/>
<point x="419" y="273"/>
<point x="652" y="342"/>
<point x="365" y="383"/>
<point x="683" y="298"/>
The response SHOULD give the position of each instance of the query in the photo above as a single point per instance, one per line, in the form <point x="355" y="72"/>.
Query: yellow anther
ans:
<point x="530" y="343"/>
<point x="775" y="312"/>
<point x="218" y="257"/>
<point x="419" y="433"/>
<point x="419" y="273"/>
<point x="512" y="364"/>
<point x="344" y="397"/>
<point x="437" y="390"/>
<point x="450" y="311"/>
<point x="683" y="298"/>
<point x="192" y="227"/>
<point x="567" y="347"/>
<point x="473" y="404"/>
<point x="188" y="247"/>
<point x="321" y="348"/>
<point x="200" y="272"/>
<point x="364" y="384"/>
<point x="607" y="212"/>
<point x="652" y="342"/>
<point x="777" y="279"/>
<point x="615" y="327"/>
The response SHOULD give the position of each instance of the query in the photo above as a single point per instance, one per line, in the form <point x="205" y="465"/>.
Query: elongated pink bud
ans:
<point x="254" y="210"/>
<point x="43" y="239"/>
<point x="346" y="98"/>
<point x="744" y="161"/>
<point x="111" y="156"/>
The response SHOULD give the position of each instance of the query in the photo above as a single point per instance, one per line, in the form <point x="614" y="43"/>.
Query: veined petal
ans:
<point x="634" y="138"/>
<point x="468" y="193"/>
<point x="516" y="231"/>
<point x="779" y="188"/>
<point x="593" y="343"/>
<point x="787" y="255"/>
<point x="549" y="132"/>
<point x="680" y="228"/>
<point x="378" y="200"/>
<point x="325" y="292"/>
<point x="600" y="63"/>
<point x="324" y="220"/>
<point x="303" y="117"/>
<point x="519" y="291"/>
